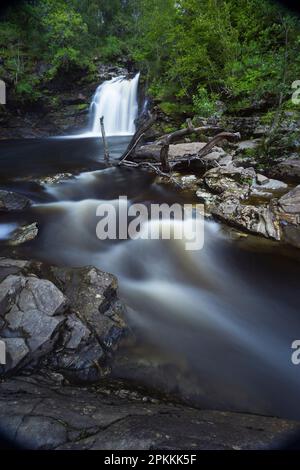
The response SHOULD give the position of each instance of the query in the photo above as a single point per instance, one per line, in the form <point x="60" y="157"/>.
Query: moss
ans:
<point x="268" y="118"/>
<point x="81" y="107"/>
<point x="170" y="109"/>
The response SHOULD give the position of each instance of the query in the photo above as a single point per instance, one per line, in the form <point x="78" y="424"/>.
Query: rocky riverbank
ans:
<point x="61" y="327"/>
<point x="246" y="197"/>
<point x="40" y="412"/>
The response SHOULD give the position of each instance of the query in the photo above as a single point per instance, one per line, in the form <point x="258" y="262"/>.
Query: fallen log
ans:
<point x="161" y="163"/>
<point x="215" y="140"/>
<point x="138" y="136"/>
<point x="179" y="134"/>
<point x="186" y="160"/>
<point x="164" y="161"/>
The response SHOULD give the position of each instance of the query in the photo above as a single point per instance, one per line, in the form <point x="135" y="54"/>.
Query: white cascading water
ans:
<point x="115" y="100"/>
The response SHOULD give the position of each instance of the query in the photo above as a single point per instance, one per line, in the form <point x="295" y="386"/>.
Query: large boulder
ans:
<point x="290" y="202"/>
<point x="10" y="201"/>
<point x="23" y="234"/>
<point x="288" y="169"/>
<point x="288" y="212"/>
<point x="69" y="319"/>
<point x="31" y="313"/>
<point x="179" y="151"/>
<point x="257" y="220"/>
<point x="230" y="181"/>
<point x="234" y="186"/>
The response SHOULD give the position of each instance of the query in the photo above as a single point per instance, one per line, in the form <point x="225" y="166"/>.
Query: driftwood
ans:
<point x="215" y="140"/>
<point x="162" y="164"/>
<point x="190" y="129"/>
<point x="164" y="161"/>
<point x="138" y="136"/>
<point x="186" y="160"/>
<point x="105" y="145"/>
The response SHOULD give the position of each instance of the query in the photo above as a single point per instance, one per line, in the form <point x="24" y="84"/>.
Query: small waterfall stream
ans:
<point x="116" y="100"/>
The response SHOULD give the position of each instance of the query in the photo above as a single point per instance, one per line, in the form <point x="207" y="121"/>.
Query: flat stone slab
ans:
<point x="40" y="413"/>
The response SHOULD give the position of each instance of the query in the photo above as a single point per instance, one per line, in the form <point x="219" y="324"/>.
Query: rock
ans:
<point x="230" y="180"/>
<point x="225" y="161"/>
<point x="256" y="220"/>
<point x="68" y="318"/>
<point x="16" y="351"/>
<point x="107" y="72"/>
<point x="288" y="214"/>
<point x="54" y="179"/>
<point x="290" y="202"/>
<point x="247" y="144"/>
<point x="10" y="201"/>
<point x="288" y="169"/>
<point x="207" y="198"/>
<point x="291" y="234"/>
<point x="93" y="294"/>
<point x="261" y="179"/>
<point x="38" y="412"/>
<point x="30" y="309"/>
<point x="267" y="188"/>
<point x="187" y="182"/>
<point x="178" y="151"/>
<point x="24" y="234"/>
<point x="273" y="185"/>
<point x="233" y="186"/>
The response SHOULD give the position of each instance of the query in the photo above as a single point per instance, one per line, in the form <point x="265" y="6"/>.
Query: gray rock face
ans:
<point x="151" y="152"/>
<point x="30" y="309"/>
<point x="93" y="295"/>
<point x="267" y="188"/>
<point x="288" y="212"/>
<point x="257" y="220"/>
<point x="38" y="412"/>
<point x="288" y="169"/>
<point x="290" y="202"/>
<point x="72" y="321"/>
<point x="233" y="187"/>
<point x="230" y="181"/>
<point x="10" y="201"/>
<point x="54" y="179"/>
<point x="272" y="185"/>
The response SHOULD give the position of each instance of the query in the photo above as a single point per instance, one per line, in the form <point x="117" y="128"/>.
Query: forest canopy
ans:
<point x="195" y="53"/>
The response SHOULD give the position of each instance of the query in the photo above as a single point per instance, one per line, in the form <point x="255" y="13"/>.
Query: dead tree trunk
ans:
<point x="164" y="160"/>
<point x="105" y="145"/>
<point x="190" y="129"/>
<point x="138" y="136"/>
<point x="222" y="136"/>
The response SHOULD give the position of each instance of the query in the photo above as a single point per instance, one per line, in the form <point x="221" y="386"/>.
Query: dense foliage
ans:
<point x="194" y="53"/>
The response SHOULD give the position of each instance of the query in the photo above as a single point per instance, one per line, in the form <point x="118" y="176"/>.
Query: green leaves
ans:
<point x="205" y="104"/>
<point x="191" y="52"/>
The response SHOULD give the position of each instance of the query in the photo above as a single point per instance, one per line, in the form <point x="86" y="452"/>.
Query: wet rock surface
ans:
<point x="68" y="318"/>
<point x="246" y="200"/>
<point x="24" y="234"/>
<point x="288" y="169"/>
<point x="40" y="412"/>
<point x="11" y="201"/>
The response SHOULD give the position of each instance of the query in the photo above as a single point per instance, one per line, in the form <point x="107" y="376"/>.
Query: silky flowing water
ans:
<point x="213" y="326"/>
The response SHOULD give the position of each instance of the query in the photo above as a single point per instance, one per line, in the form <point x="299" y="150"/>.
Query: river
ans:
<point x="213" y="326"/>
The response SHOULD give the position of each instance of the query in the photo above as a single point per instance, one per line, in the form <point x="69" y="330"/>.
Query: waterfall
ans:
<point x="116" y="100"/>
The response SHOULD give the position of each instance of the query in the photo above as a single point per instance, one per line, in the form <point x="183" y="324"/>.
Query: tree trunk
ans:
<point x="138" y="136"/>
<point x="105" y="145"/>
<point x="164" y="151"/>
